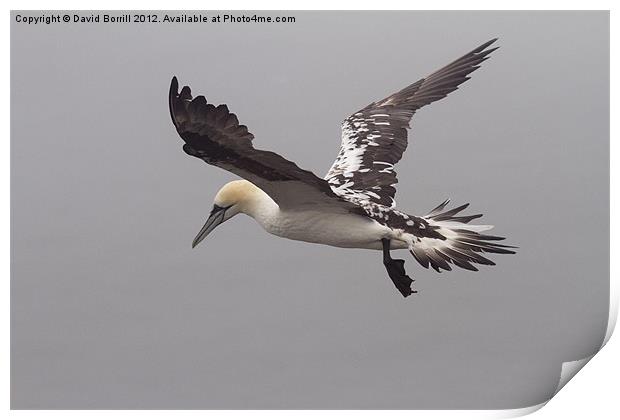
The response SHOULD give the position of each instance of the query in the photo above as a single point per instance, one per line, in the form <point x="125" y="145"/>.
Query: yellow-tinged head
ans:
<point x="238" y="193"/>
<point x="233" y="198"/>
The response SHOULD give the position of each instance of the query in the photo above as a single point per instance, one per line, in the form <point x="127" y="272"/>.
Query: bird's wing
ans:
<point x="374" y="138"/>
<point x="214" y="135"/>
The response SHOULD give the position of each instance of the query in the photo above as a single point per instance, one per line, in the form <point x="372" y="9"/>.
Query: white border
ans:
<point x="595" y="387"/>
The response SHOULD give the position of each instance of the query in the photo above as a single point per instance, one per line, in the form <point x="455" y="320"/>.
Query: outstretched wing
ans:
<point x="214" y="135"/>
<point x="374" y="138"/>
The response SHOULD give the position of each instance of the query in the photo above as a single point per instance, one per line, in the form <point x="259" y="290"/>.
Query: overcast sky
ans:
<point x="111" y="308"/>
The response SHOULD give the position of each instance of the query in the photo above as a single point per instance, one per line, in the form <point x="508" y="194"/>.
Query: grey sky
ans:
<point x="111" y="308"/>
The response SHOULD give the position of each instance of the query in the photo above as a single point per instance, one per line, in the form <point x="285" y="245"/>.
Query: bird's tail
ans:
<point x="450" y="239"/>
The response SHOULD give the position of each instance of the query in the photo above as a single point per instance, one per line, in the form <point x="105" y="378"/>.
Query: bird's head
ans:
<point x="233" y="198"/>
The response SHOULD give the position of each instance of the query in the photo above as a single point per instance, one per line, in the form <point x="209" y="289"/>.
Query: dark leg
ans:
<point x="396" y="271"/>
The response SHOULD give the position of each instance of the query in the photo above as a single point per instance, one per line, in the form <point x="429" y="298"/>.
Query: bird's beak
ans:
<point x="217" y="216"/>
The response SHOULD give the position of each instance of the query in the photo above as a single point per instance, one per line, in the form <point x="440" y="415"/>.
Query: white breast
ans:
<point x="340" y="230"/>
<point x="321" y="226"/>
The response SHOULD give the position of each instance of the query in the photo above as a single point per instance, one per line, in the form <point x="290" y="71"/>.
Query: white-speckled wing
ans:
<point x="374" y="138"/>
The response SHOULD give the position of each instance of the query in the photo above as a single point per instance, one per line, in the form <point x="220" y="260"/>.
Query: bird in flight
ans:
<point x="353" y="205"/>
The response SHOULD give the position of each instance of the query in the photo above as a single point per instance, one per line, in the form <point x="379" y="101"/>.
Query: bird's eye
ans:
<point x="216" y="209"/>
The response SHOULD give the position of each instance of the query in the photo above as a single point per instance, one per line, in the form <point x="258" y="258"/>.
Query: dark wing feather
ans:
<point x="374" y="138"/>
<point x="214" y="135"/>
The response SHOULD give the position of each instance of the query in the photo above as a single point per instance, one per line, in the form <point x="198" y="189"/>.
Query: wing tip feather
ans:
<point x="172" y="95"/>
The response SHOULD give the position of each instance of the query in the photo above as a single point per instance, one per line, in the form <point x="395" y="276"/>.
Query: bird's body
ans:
<point x="339" y="230"/>
<point x="353" y="206"/>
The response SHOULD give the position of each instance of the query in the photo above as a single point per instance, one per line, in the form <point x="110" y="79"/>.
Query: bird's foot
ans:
<point x="396" y="271"/>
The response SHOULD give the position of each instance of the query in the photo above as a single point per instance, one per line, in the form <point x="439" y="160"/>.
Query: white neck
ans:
<point x="260" y="207"/>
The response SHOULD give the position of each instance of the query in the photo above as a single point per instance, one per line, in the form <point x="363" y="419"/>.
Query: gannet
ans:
<point x="353" y="205"/>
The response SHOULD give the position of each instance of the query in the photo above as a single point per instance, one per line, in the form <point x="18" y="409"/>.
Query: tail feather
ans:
<point x="457" y="242"/>
<point x="448" y="214"/>
<point x="438" y="208"/>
